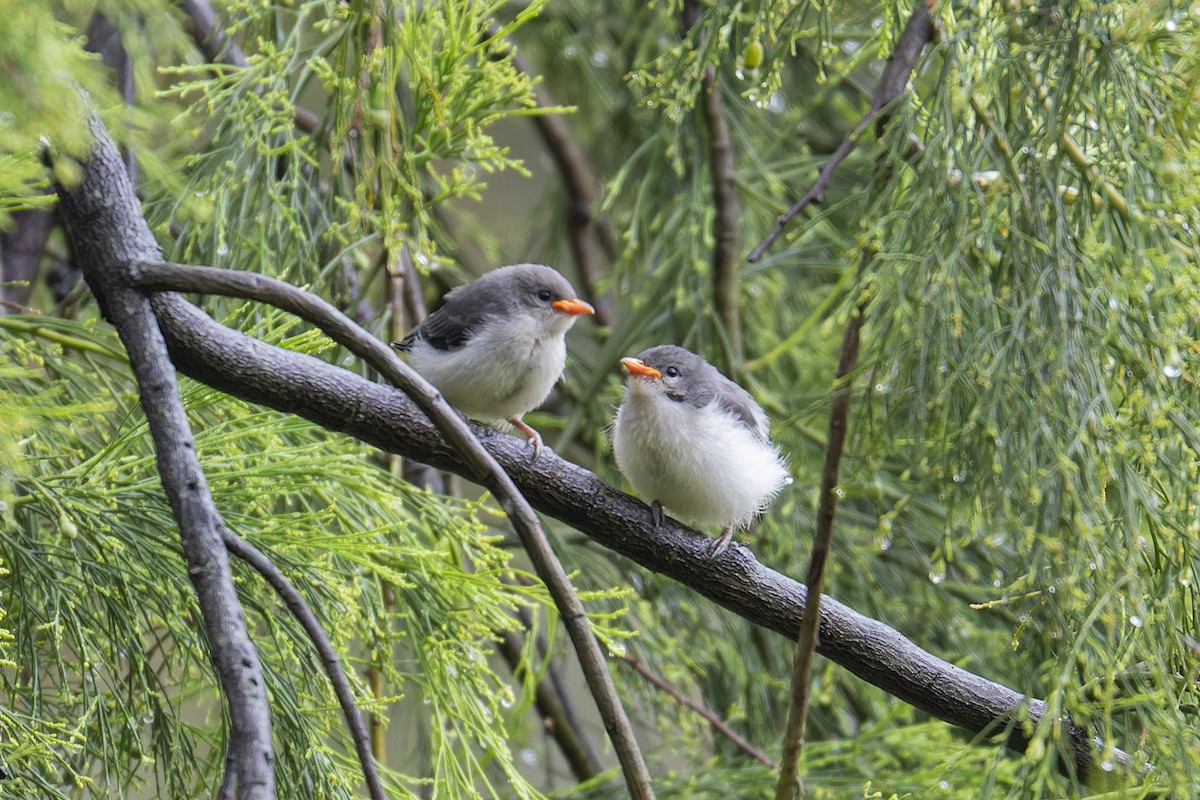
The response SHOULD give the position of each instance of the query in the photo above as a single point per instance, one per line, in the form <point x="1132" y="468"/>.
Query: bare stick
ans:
<point x="806" y="642"/>
<point x="296" y="604"/>
<point x="571" y="743"/>
<point x="590" y="237"/>
<point x="727" y="223"/>
<point x="104" y="39"/>
<point x="108" y="233"/>
<point x="216" y="48"/>
<point x="21" y="256"/>
<point x="719" y="725"/>
<point x="483" y="468"/>
<point x="917" y="33"/>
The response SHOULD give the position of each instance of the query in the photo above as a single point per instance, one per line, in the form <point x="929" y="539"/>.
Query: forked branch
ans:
<point x="482" y="467"/>
<point x="900" y="64"/>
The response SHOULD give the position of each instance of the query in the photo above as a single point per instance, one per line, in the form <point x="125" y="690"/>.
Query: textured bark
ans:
<point x="21" y="257"/>
<point x="108" y="234"/>
<point x="478" y="462"/>
<point x="555" y="715"/>
<point x="385" y="418"/>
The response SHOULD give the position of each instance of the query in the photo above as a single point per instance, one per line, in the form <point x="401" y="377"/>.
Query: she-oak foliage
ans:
<point x="1018" y="491"/>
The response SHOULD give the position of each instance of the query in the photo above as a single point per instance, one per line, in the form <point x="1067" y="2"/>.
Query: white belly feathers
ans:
<point x="687" y="470"/>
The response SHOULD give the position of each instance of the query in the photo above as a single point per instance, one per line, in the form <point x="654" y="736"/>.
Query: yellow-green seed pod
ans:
<point x="752" y="56"/>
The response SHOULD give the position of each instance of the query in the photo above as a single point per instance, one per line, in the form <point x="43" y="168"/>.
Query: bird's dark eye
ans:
<point x="545" y="295"/>
<point x="671" y="372"/>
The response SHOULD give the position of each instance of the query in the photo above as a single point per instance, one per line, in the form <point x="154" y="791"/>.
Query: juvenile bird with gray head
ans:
<point x="695" y="442"/>
<point x="497" y="345"/>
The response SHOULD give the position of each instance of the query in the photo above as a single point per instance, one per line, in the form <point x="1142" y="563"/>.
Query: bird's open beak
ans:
<point x="573" y="307"/>
<point x="638" y="367"/>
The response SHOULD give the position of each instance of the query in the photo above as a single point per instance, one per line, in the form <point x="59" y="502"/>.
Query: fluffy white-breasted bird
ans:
<point x="695" y="442"/>
<point x="497" y="345"/>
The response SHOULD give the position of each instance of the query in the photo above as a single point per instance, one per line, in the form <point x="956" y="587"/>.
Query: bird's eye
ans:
<point x="671" y="372"/>
<point x="545" y="295"/>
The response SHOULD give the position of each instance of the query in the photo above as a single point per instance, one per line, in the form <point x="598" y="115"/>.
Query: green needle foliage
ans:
<point x="1018" y="492"/>
<point x="101" y="617"/>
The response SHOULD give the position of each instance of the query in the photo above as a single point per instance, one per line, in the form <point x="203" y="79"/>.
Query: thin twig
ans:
<point x="727" y="221"/>
<point x="21" y="256"/>
<point x="296" y="604"/>
<point x="550" y="706"/>
<point x="917" y="33"/>
<point x="551" y="697"/>
<point x="108" y="233"/>
<point x="483" y="468"/>
<point x="216" y="48"/>
<point x="381" y="417"/>
<point x="592" y="242"/>
<point x="719" y="725"/>
<point x="806" y="642"/>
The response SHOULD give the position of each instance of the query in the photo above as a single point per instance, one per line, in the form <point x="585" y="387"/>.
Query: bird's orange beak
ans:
<point x="638" y="367"/>
<point x="573" y="307"/>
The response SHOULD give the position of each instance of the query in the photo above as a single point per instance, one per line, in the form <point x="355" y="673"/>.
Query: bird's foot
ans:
<point x="721" y="544"/>
<point x="531" y="436"/>
<point x="656" y="516"/>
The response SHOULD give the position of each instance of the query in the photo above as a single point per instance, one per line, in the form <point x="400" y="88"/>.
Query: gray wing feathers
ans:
<point x="738" y="401"/>
<point x="452" y="325"/>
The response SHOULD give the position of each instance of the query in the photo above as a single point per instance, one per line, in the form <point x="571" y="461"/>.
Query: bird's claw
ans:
<point x="532" y="437"/>
<point x="656" y="515"/>
<point x="721" y="543"/>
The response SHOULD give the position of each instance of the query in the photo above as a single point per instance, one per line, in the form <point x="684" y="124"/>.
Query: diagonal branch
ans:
<point x="295" y="602"/>
<point x="719" y="725"/>
<point x="917" y="33"/>
<point x="900" y="64"/>
<point x="217" y="48"/>
<point x="21" y="250"/>
<point x="482" y="467"/>
<point x="378" y="415"/>
<point x="727" y="220"/>
<point x="107" y="231"/>
<point x="591" y="238"/>
<point x="554" y="708"/>
<point x="807" y="641"/>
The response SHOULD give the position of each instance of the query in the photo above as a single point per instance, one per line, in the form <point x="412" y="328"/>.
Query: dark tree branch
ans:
<point x="103" y="219"/>
<point x="382" y="417"/>
<point x="917" y="33"/>
<point x="806" y="642"/>
<point x="104" y="38"/>
<point x="217" y="49"/>
<point x="719" y="725"/>
<point x="555" y="715"/>
<point x="551" y="697"/>
<point x="482" y="467"/>
<point x="295" y="602"/>
<point x="21" y="256"/>
<point x="208" y="35"/>
<point x="727" y="222"/>
<point x="900" y="64"/>
<point x="591" y="240"/>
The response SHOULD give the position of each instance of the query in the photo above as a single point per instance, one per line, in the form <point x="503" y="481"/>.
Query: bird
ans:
<point x="695" y="442"/>
<point x="497" y="345"/>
